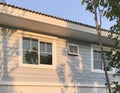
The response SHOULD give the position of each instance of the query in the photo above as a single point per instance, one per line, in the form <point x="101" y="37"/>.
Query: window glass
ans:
<point x="25" y="58"/>
<point x="34" y="44"/>
<point x="26" y="43"/>
<point x="99" y="55"/>
<point x="97" y="64"/>
<point x="98" y="61"/>
<point x="108" y="67"/>
<point x="30" y="57"/>
<point x="45" y="58"/>
<point x="33" y="55"/>
<point x="95" y="54"/>
<point x="42" y="46"/>
<point x="49" y="47"/>
<point x="73" y="49"/>
<point x="45" y="53"/>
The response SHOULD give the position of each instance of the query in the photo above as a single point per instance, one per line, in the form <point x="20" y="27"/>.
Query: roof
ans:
<point x="29" y="20"/>
<point x="48" y="15"/>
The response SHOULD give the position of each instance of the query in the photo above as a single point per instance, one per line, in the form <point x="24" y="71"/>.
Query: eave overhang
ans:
<point x="29" y="20"/>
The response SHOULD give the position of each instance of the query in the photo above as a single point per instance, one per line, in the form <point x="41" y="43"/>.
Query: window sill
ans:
<point x="38" y="66"/>
<point x="101" y="71"/>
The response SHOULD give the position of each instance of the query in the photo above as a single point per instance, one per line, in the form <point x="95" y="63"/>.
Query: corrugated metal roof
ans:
<point x="58" y="18"/>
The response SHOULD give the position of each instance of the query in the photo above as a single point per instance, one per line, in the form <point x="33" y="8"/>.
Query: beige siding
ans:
<point x="47" y="89"/>
<point x="9" y="50"/>
<point x="11" y="69"/>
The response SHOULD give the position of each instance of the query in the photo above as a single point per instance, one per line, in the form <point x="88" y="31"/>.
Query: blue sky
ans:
<point x="68" y="9"/>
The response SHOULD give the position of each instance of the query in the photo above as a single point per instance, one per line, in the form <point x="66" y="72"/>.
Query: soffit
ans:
<point x="23" y="19"/>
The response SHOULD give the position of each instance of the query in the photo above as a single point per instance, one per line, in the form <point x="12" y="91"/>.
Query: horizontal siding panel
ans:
<point x="3" y="39"/>
<point x="33" y="71"/>
<point x="10" y="49"/>
<point x="69" y="68"/>
<point x="10" y="59"/>
<point x="26" y="79"/>
<point x="11" y="45"/>
<point x="11" y="55"/>
<point x="22" y="75"/>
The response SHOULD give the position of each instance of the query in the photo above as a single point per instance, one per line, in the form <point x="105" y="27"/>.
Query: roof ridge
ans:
<point x="63" y="19"/>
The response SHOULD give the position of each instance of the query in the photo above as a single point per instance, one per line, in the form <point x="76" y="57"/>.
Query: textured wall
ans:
<point x="72" y="73"/>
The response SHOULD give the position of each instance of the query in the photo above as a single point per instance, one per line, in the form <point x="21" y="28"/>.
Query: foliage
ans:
<point x="110" y="10"/>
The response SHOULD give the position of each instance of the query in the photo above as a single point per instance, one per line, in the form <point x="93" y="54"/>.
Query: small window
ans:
<point x="73" y="49"/>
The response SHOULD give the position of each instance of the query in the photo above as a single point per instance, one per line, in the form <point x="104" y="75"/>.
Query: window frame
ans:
<point x="75" y="45"/>
<point x="43" y="38"/>
<point x="96" y="47"/>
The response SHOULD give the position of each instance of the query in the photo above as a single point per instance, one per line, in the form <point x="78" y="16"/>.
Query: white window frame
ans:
<point x="43" y="38"/>
<point x="96" y="47"/>
<point x="74" y="45"/>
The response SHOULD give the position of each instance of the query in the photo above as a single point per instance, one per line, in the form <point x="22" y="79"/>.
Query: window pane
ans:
<point x="49" y="47"/>
<point x="99" y="55"/>
<point x="42" y="46"/>
<point x="30" y="57"/>
<point x="26" y="43"/>
<point x="97" y="64"/>
<point x="95" y="54"/>
<point x="34" y="57"/>
<point x="34" y="44"/>
<point x="98" y="61"/>
<point x="45" y="58"/>
<point x="26" y="56"/>
<point x="108" y="67"/>
<point x="25" y="60"/>
<point x="73" y="49"/>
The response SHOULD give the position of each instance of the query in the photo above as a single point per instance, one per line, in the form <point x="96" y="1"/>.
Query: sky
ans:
<point x="67" y="9"/>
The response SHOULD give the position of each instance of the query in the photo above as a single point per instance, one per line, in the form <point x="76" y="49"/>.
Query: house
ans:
<point x="40" y="53"/>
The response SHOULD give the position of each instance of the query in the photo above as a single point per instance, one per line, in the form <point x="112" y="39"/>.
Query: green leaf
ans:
<point x="83" y="1"/>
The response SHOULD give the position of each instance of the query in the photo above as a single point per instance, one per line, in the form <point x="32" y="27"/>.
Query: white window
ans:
<point x="73" y="49"/>
<point x="38" y="52"/>
<point x="96" y="58"/>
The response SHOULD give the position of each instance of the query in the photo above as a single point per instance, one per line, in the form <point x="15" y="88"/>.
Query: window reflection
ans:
<point x="45" y="53"/>
<point x="33" y="55"/>
<point x="98" y="61"/>
<point x="30" y="57"/>
<point x="45" y="58"/>
<point x="34" y="44"/>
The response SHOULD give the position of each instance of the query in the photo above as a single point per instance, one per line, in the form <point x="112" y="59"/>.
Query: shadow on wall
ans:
<point x="73" y="72"/>
<point x="69" y="72"/>
<point x="8" y="54"/>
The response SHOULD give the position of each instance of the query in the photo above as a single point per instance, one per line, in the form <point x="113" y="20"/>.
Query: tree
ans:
<point x="111" y="10"/>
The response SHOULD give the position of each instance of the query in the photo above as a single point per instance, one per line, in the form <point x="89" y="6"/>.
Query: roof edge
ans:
<point x="55" y="17"/>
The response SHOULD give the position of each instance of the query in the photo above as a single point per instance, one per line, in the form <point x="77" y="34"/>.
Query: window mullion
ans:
<point x="45" y="47"/>
<point x="30" y="44"/>
<point x="38" y="52"/>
